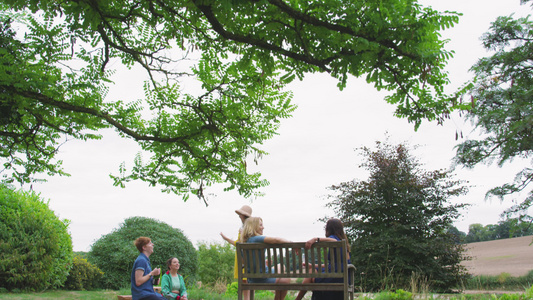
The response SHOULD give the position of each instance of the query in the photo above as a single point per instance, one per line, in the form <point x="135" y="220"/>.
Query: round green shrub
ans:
<point x="35" y="246"/>
<point x="83" y="275"/>
<point x="115" y="252"/>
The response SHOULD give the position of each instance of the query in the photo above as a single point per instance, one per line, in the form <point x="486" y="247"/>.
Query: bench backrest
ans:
<point x="290" y="260"/>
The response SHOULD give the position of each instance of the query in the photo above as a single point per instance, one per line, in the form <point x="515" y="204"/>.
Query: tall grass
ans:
<point x="228" y="293"/>
<point x="502" y="282"/>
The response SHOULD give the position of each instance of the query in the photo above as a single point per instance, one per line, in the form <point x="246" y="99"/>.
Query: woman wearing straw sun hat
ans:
<point x="244" y="213"/>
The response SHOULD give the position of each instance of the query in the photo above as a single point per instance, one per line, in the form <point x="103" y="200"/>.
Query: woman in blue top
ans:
<point x="252" y="232"/>
<point x="172" y="283"/>
<point x="142" y="275"/>
<point x="334" y="232"/>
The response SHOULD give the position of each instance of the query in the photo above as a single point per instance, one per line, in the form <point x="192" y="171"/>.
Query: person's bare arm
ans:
<point x="227" y="239"/>
<point x="275" y="240"/>
<point x="140" y="278"/>
<point x="311" y="241"/>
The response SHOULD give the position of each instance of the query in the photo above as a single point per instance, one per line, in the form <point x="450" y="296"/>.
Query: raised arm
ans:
<point x="227" y="239"/>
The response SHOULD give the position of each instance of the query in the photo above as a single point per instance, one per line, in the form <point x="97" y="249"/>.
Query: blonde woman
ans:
<point x="253" y="233"/>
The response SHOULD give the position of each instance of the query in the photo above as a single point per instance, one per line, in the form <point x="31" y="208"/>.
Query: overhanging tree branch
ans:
<point x="100" y="114"/>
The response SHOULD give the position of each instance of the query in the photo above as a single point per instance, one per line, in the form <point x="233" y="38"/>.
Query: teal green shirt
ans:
<point x="169" y="284"/>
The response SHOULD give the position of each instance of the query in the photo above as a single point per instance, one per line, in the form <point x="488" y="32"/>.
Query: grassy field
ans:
<point x="63" y="295"/>
<point x="513" y="256"/>
<point x="194" y="294"/>
<point x="112" y="295"/>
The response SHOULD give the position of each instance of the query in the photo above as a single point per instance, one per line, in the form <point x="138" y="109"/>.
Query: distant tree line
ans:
<point x="509" y="228"/>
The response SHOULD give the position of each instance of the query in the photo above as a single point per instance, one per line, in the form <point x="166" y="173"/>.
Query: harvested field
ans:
<point x="513" y="256"/>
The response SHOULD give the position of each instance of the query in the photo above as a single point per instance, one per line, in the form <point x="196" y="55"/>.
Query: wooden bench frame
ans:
<point x="288" y="260"/>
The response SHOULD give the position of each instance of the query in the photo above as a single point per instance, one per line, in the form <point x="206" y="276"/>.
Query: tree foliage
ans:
<point x="503" y="230"/>
<point x="458" y="235"/>
<point x="115" y="253"/>
<point x="35" y="245"/>
<point x="398" y="221"/>
<point x="57" y="65"/>
<point x="502" y="107"/>
<point x="216" y="263"/>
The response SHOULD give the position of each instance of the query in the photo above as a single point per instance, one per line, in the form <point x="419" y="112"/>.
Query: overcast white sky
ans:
<point x="314" y="149"/>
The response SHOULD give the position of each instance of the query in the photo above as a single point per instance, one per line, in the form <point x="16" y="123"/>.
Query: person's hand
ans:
<point x="156" y="272"/>
<point x="308" y="266"/>
<point x="310" y="243"/>
<point x="184" y="297"/>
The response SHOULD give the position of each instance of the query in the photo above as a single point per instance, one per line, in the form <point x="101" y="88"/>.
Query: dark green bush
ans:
<point x="83" y="275"/>
<point x="115" y="252"/>
<point x="35" y="246"/>
<point x="216" y="263"/>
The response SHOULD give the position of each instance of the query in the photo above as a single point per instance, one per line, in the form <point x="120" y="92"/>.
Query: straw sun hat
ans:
<point x="245" y="210"/>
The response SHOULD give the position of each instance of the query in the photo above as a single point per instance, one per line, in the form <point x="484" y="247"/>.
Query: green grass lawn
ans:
<point x="84" y="295"/>
<point x="207" y="294"/>
<point x="194" y="294"/>
<point x="112" y="295"/>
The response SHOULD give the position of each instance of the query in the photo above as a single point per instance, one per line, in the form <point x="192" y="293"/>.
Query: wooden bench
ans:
<point x="289" y="260"/>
